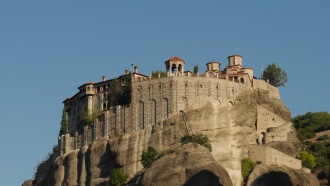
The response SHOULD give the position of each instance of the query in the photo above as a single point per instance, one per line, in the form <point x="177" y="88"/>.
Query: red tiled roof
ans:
<point x="88" y="83"/>
<point x="175" y="59"/>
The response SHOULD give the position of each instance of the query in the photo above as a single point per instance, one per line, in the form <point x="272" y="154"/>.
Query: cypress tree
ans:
<point x="64" y="123"/>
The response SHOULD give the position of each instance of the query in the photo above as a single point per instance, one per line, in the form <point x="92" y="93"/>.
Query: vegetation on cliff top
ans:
<point x="64" y="123"/>
<point x="200" y="139"/>
<point x="196" y="69"/>
<point x="120" y="92"/>
<point x="154" y="74"/>
<point x="274" y="75"/>
<point x="89" y="118"/>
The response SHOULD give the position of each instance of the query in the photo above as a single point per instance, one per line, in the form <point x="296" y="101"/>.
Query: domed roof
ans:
<point x="175" y="58"/>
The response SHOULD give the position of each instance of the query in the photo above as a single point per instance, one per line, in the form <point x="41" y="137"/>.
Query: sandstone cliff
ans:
<point x="256" y="117"/>
<point x="189" y="165"/>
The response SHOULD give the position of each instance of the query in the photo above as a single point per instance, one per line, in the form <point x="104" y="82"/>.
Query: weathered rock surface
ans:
<point x="280" y="176"/>
<point x="231" y="124"/>
<point x="28" y="183"/>
<point x="190" y="165"/>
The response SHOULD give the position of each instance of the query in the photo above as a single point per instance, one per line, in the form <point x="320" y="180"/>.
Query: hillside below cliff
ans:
<point x="254" y="119"/>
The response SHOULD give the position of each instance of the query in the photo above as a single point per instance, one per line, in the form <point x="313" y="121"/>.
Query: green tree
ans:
<point x="118" y="177"/>
<point x="154" y="74"/>
<point x="275" y="75"/>
<point x="200" y="139"/>
<point x="196" y="69"/>
<point x="120" y="91"/>
<point x="89" y="118"/>
<point x="247" y="168"/>
<point x="115" y="92"/>
<point x="64" y="123"/>
<point x="307" y="159"/>
<point x="310" y="123"/>
<point x="149" y="156"/>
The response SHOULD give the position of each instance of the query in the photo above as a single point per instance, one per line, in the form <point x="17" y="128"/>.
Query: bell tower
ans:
<point x="174" y="65"/>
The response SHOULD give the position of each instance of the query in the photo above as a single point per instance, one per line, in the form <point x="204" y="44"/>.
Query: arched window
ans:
<point x="242" y="80"/>
<point x="185" y="101"/>
<point x="179" y="68"/>
<point x="153" y="112"/>
<point x="165" y="108"/>
<point x="173" y="68"/>
<point x="104" y="106"/>
<point x="141" y="114"/>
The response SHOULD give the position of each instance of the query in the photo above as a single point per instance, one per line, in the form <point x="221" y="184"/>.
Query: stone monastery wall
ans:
<point x="153" y="101"/>
<point x="261" y="84"/>
<point x="158" y="99"/>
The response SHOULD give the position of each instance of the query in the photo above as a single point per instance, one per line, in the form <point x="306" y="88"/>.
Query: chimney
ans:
<point x="127" y="72"/>
<point x="136" y="69"/>
<point x="103" y="78"/>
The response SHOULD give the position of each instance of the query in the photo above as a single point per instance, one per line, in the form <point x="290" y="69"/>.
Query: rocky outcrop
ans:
<point x="189" y="165"/>
<point x="231" y="123"/>
<point x="28" y="183"/>
<point x="284" y="176"/>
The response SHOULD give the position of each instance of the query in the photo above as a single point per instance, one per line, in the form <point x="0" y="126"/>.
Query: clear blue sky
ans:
<point x="49" y="48"/>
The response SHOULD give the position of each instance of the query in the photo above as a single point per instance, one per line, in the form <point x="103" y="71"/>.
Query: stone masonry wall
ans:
<point x="154" y="101"/>
<point x="261" y="84"/>
<point x="163" y="97"/>
<point x="270" y="156"/>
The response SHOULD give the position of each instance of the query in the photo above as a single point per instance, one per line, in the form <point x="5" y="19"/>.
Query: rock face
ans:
<point x="191" y="165"/>
<point x="28" y="183"/>
<point x="283" y="176"/>
<point x="253" y="118"/>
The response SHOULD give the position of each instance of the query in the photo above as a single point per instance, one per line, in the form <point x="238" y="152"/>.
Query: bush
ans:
<point x="200" y="139"/>
<point x="117" y="177"/>
<point x="258" y="162"/>
<point x="148" y="157"/>
<point x="321" y="138"/>
<point x="247" y="167"/>
<point x="307" y="159"/>
<point x="154" y="74"/>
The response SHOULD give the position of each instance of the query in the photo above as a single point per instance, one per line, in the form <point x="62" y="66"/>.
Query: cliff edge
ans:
<point x="253" y="123"/>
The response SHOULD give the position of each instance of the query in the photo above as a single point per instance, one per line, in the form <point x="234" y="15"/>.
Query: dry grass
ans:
<point x="319" y="134"/>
